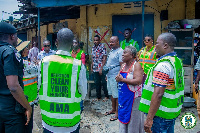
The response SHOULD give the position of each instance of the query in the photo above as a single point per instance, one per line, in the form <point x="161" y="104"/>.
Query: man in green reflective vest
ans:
<point x="128" y="41"/>
<point x="163" y="91"/>
<point x="63" y="85"/>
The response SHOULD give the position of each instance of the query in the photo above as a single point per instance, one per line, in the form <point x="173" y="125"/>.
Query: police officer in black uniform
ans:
<point x="15" y="111"/>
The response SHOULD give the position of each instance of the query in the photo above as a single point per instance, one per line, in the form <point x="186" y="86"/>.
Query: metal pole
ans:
<point x="87" y="28"/>
<point x="143" y="2"/>
<point x="39" y="43"/>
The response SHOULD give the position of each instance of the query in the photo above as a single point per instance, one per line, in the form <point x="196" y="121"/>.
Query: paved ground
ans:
<point x="94" y="121"/>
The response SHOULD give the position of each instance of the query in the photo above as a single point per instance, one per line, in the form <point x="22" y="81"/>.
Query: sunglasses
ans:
<point x="46" y="45"/>
<point x="148" y="40"/>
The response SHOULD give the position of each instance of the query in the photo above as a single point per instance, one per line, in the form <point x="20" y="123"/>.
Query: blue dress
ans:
<point x="125" y="100"/>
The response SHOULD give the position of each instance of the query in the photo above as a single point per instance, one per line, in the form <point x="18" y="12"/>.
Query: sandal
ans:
<point x="109" y="113"/>
<point x="113" y="118"/>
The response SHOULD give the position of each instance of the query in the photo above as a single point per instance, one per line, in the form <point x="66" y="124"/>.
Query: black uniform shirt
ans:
<point x="11" y="64"/>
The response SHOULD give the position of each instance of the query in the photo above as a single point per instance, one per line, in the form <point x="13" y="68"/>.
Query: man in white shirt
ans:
<point x="63" y="85"/>
<point x="113" y="63"/>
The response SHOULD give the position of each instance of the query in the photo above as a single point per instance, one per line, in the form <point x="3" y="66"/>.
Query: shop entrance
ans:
<point x="121" y="22"/>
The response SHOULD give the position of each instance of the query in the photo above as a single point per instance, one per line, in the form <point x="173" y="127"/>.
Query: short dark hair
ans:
<point x="128" y="29"/>
<point x="169" y="38"/>
<point x="149" y="35"/>
<point x="97" y="36"/>
<point x="81" y="44"/>
<point x="65" y="37"/>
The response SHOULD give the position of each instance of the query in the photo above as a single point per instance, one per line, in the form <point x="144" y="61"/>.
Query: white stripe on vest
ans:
<point x="60" y="116"/>
<point x="167" y="95"/>
<point x="162" y="108"/>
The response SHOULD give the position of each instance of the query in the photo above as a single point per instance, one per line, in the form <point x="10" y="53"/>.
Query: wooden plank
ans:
<point x="181" y="29"/>
<point x="187" y="76"/>
<point x="182" y="47"/>
<point x="90" y="81"/>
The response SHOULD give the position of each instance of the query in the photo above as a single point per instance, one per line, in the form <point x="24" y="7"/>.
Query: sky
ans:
<point x="9" y="6"/>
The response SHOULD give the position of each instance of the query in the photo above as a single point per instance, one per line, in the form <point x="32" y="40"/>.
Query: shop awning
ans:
<point x="57" y="3"/>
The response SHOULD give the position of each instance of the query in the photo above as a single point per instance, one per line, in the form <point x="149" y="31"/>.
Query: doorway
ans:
<point x="121" y="22"/>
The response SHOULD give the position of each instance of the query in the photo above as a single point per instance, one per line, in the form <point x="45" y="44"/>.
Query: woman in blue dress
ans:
<point x="130" y="88"/>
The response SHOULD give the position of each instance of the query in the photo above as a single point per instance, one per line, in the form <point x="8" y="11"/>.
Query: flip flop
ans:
<point x="113" y="118"/>
<point x="109" y="113"/>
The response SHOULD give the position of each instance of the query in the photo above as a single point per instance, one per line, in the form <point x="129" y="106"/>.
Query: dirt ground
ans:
<point x="93" y="119"/>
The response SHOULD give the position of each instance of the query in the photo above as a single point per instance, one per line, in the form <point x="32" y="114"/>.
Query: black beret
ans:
<point x="6" y="28"/>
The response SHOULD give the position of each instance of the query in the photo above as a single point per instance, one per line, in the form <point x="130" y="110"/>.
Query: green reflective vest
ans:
<point x="147" y="59"/>
<point x="30" y="88"/>
<point x="78" y="56"/>
<point x="123" y="44"/>
<point x="59" y="95"/>
<point x="172" y="100"/>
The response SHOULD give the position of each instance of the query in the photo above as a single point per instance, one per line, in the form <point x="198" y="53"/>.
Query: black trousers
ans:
<point x="10" y="121"/>
<point x="100" y="81"/>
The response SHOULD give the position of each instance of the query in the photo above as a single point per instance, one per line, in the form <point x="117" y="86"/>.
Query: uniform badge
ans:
<point x="18" y="56"/>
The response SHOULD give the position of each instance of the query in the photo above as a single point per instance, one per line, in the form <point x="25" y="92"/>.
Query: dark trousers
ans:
<point x="100" y="80"/>
<point x="10" y="121"/>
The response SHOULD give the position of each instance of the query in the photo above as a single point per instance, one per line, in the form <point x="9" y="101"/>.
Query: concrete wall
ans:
<point x="32" y="33"/>
<point x="99" y="17"/>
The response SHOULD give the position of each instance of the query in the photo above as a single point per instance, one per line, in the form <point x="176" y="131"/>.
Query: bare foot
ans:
<point x="105" y="99"/>
<point x="96" y="99"/>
